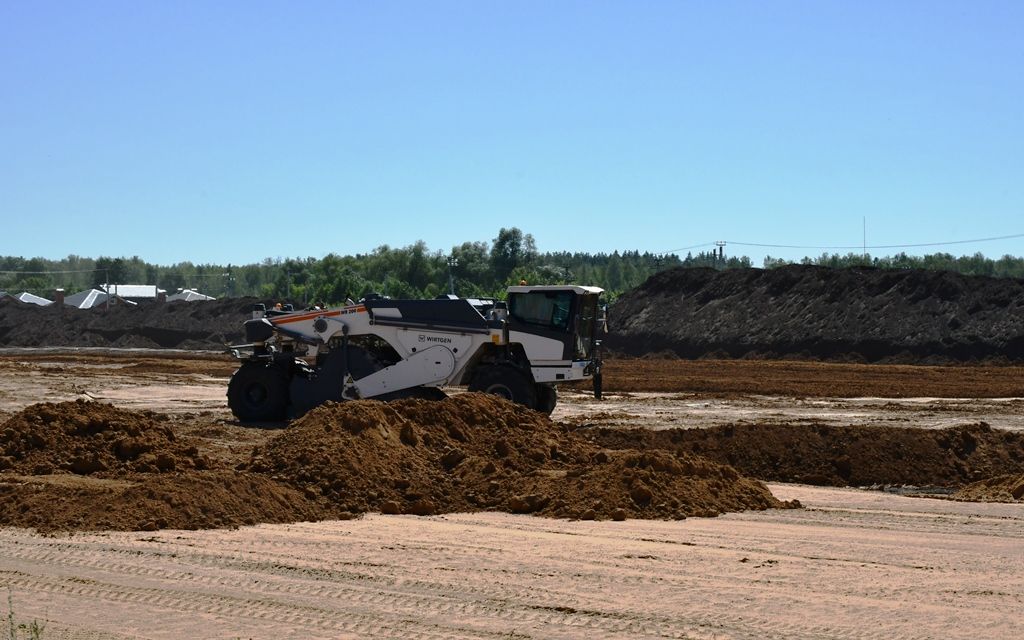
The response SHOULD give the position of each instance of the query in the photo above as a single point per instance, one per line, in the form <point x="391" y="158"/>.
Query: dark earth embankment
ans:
<point x="793" y="312"/>
<point x="855" y="314"/>
<point x="172" y="325"/>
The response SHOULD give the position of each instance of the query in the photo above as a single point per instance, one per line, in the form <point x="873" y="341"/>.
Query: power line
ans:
<point x="877" y="246"/>
<point x="696" y="246"/>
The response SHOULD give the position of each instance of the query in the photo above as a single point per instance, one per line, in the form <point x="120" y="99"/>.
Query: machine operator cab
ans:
<point x="559" y="329"/>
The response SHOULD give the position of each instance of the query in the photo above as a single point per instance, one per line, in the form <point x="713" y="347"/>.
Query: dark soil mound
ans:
<point x="855" y="314"/>
<point x="842" y="456"/>
<point x="475" y="452"/>
<point x="1009" y="488"/>
<point x="173" y="325"/>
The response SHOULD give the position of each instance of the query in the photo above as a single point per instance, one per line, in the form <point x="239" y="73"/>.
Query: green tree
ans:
<point x="511" y="249"/>
<point x="110" y="270"/>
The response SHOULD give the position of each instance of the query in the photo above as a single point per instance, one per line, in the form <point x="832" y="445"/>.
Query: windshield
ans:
<point x="542" y="308"/>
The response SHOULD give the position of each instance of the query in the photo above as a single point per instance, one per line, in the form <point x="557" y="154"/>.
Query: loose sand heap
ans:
<point x="86" y="466"/>
<point x="1008" y="488"/>
<point x="859" y="456"/>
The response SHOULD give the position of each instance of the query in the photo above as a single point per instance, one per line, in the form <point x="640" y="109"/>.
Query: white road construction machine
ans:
<point x="386" y="349"/>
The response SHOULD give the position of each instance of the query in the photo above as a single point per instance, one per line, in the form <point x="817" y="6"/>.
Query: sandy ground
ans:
<point x="852" y="564"/>
<point x="735" y="391"/>
<point x="654" y="410"/>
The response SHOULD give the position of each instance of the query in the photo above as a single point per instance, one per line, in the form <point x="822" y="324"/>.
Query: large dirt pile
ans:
<point x="475" y="451"/>
<point x="856" y="314"/>
<point x="174" y="325"/>
<point x="87" y="466"/>
<point x="842" y="455"/>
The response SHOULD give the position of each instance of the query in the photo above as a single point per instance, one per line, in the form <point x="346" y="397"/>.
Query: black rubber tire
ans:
<point x="506" y="382"/>
<point x="258" y="393"/>
<point x="547" y="397"/>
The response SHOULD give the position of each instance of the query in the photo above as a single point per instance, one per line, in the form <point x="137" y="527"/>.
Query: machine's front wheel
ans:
<point x="547" y="398"/>
<point x="506" y="382"/>
<point x="258" y="393"/>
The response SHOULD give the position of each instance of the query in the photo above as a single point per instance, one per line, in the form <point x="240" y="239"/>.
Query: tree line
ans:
<point x="972" y="265"/>
<point x="472" y="269"/>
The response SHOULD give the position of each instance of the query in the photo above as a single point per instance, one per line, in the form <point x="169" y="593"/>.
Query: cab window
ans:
<point x="550" y="309"/>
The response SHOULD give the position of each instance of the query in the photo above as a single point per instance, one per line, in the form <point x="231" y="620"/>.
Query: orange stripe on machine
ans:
<point x="319" y="314"/>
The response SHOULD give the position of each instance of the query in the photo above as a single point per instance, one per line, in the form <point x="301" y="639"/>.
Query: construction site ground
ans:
<point x="851" y="563"/>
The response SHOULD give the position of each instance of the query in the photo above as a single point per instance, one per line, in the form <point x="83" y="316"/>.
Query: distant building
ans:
<point x="189" y="295"/>
<point x="134" y="292"/>
<point x="25" y="296"/>
<point x="86" y="299"/>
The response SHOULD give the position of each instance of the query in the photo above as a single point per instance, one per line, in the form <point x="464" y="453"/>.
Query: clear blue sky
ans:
<point x="236" y="131"/>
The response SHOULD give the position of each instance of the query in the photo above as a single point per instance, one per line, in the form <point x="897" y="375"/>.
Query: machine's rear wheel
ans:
<point x="506" y="382"/>
<point x="258" y="393"/>
<point x="547" y="398"/>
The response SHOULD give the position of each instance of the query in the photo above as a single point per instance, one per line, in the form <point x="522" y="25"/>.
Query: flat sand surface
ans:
<point x="654" y="394"/>
<point x="851" y="564"/>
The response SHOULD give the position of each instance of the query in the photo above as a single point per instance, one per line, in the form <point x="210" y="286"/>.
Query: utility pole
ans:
<point x="452" y="263"/>
<point x="721" y="251"/>
<point x="229" y="281"/>
<point x="864" y="239"/>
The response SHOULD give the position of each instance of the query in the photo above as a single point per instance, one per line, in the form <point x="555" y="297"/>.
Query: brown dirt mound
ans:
<point x="1008" y="488"/>
<point x="89" y="438"/>
<point x="475" y="452"/>
<point x="84" y="465"/>
<point x="146" y="502"/>
<point x="797" y="311"/>
<point x="841" y="455"/>
<point x="89" y="466"/>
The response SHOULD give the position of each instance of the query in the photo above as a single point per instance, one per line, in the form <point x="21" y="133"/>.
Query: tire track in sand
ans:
<point x="842" y="568"/>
